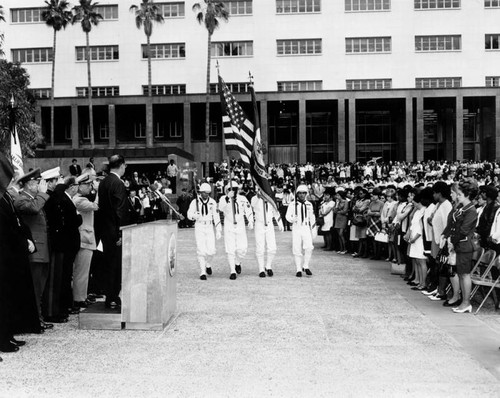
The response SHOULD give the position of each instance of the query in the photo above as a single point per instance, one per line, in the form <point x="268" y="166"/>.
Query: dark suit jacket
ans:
<point x="113" y="208"/>
<point x="75" y="170"/>
<point x="460" y="228"/>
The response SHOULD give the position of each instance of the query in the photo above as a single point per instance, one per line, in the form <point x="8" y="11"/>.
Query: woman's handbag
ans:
<point x="320" y="221"/>
<point x="359" y="220"/>
<point x="382" y="237"/>
<point x="398" y="269"/>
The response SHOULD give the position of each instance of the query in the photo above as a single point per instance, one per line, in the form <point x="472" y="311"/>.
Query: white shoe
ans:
<point x="427" y="293"/>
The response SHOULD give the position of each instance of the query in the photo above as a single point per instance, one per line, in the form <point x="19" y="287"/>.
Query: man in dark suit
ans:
<point x="112" y="214"/>
<point x="75" y="169"/>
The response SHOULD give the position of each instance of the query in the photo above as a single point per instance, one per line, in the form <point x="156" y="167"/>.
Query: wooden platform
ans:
<point x="98" y="317"/>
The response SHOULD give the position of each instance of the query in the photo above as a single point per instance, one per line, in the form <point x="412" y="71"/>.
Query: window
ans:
<point x="172" y="10"/>
<point x="436" y="4"/>
<point x="104" y="91"/>
<point x="438" y="43"/>
<point x="491" y="3"/>
<point x="108" y="11"/>
<point x="304" y="85"/>
<point x="165" y="89"/>
<point x="26" y="15"/>
<point x="355" y="45"/>
<point x="41" y="93"/>
<point x="369" y="84"/>
<point x="297" y="6"/>
<point x="232" y="49"/>
<point x="239" y="7"/>
<point x="492" y="81"/>
<point x="139" y="130"/>
<point x="165" y="51"/>
<point x="98" y="53"/>
<point x="32" y="55"/>
<point x="299" y="47"/>
<point x="233" y="87"/>
<point x="438" y="82"/>
<point x="367" y="5"/>
<point x="491" y="41"/>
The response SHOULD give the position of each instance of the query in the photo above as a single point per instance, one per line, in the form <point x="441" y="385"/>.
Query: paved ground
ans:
<point x="349" y="330"/>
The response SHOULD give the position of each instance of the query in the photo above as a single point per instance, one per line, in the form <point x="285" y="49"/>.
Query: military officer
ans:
<point x="300" y="214"/>
<point x="235" y="207"/>
<point x="203" y="210"/>
<point x="264" y="233"/>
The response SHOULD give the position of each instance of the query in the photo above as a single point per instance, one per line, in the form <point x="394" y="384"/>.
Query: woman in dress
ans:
<point x="415" y="240"/>
<point x="341" y="210"/>
<point x="374" y="222"/>
<point x="401" y="224"/>
<point x="359" y="220"/>
<point x="326" y="211"/>
<point x="387" y="217"/>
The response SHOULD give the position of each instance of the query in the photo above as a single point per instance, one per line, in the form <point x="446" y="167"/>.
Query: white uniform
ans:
<point x="301" y="216"/>
<point x="235" y="235"/>
<point x="206" y="216"/>
<point x="264" y="231"/>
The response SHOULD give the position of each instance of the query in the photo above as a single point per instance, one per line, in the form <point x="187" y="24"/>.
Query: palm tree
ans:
<point x="87" y="15"/>
<point x="57" y="16"/>
<point x="145" y="14"/>
<point x="209" y="14"/>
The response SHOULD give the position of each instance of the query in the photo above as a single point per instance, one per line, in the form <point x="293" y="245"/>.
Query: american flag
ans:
<point x="239" y="133"/>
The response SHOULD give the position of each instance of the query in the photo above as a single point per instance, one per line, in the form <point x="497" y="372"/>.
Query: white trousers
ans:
<point x="265" y="237"/>
<point x="235" y="241"/>
<point x="205" y="245"/>
<point x="81" y="270"/>
<point x="302" y="240"/>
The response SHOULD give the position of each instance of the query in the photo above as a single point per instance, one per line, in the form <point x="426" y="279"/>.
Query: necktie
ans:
<point x="204" y="208"/>
<point x="303" y="211"/>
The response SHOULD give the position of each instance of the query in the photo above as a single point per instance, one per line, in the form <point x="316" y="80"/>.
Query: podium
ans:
<point x="149" y="282"/>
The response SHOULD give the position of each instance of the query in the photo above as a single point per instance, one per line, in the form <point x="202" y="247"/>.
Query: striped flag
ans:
<point x="241" y="135"/>
<point x="15" y="152"/>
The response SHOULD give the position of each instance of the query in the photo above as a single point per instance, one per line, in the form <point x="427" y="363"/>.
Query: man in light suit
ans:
<point x="112" y="214"/>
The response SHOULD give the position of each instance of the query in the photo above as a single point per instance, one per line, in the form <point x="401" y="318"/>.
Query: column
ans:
<point x="187" y="127"/>
<point x="74" y="126"/>
<point x="352" y="129"/>
<point x="459" y="122"/>
<point x="341" y="130"/>
<point x="112" y="125"/>
<point x="420" y="128"/>
<point x="149" y="122"/>
<point x="497" y="127"/>
<point x="302" y="138"/>
<point x="264" y="133"/>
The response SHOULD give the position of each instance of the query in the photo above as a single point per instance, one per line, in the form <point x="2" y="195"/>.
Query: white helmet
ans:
<point x="205" y="188"/>
<point x="232" y="184"/>
<point x="302" y="188"/>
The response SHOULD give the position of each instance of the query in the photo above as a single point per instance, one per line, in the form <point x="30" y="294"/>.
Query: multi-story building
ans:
<point x="337" y="80"/>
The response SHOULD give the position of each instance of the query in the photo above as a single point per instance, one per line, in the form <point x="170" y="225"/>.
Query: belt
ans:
<point x="204" y="222"/>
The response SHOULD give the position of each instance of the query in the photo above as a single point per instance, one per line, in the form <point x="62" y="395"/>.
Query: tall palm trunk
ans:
<point x="207" y="109"/>
<point x="91" y="112"/>
<point x="148" y="48"/>
<point x="52" y="139"/>
<point x="149" y="103"/>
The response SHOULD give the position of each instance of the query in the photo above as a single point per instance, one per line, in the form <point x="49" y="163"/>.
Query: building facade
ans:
<point x="341" y="80"/>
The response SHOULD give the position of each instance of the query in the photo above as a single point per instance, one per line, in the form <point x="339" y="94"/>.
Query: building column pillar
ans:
<point x="112" y="125"/>
<point x="302" y="139"/>
<point x="187" y="127"/>
<point x="459" y="123"/>
<point x="497" y="127"/>
<point x="264" y="133"/>
<point x="74" y="126"/>
<point x="341" y="130"/>
<point x="352" y="129"/>
<point x="420" y="128"/>
<point x="149" y="122"/>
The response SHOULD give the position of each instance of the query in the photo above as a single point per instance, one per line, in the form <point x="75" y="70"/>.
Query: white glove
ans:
<point x="218" y="234"/>
<point x="42" y="186"/>
<point x="250" y="225"/>
<point x="442" y="241"/>
<point x="280" y="226"/>
<point x="196" y="216"/>
<point x="31" y="246"/>
<point x="230" y="194"/>
<point x="314" y="233"/>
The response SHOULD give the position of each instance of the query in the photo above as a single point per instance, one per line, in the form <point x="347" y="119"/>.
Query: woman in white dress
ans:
<point x="326" y="211"/>
<point x="415" y="239"/>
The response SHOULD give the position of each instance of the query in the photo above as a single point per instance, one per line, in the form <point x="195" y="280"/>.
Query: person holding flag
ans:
<point x="203" y="210"/>
<point x="301" y="215"/>
<point x="264" y="232"/>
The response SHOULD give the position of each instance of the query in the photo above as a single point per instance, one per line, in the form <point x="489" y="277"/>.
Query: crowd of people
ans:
<point x="64" y="231"/>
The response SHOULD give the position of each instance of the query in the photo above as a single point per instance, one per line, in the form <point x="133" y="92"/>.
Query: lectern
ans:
<point x="149" y="262"/>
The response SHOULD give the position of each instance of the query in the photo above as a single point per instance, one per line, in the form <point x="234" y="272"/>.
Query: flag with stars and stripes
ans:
<point x="238" y="131"/>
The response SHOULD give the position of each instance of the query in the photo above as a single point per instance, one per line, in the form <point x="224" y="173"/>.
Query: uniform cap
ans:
<point x="85" y="179"/>
<point x="302" y="188"/>
<point x="205" y="188"/>
<point x="51" y="173"/>
<point x="232" y="184"/>
<point x="32" y="175"/>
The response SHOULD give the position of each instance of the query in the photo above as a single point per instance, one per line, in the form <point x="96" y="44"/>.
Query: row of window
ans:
<point x="245" y="7"/>
<point x="353" y="45"/>
<point x="282" y="86"/>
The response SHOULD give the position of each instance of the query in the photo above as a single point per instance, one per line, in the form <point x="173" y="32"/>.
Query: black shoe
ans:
<point x="94" y="296"/>
<point x="203" y="277"/>
<point x="308" y="272"/>
<point x="269" y="272"/>
<point x="262" y="274"/>
<point x="238" y="269"/>
<point x="454" y="304"/>
<point x="298" y="274"/>
<point x="45" y="325"/>
<point x="56" y="319"/>
<point x="18" y="343"/>
<point x="73" y="310"/>
<point x="209" y="270"/>
<point x="8" y="347"/>
<point x="112" y="305"/>
<point x="232" y="276"/>
<point x="79" y="304"/>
